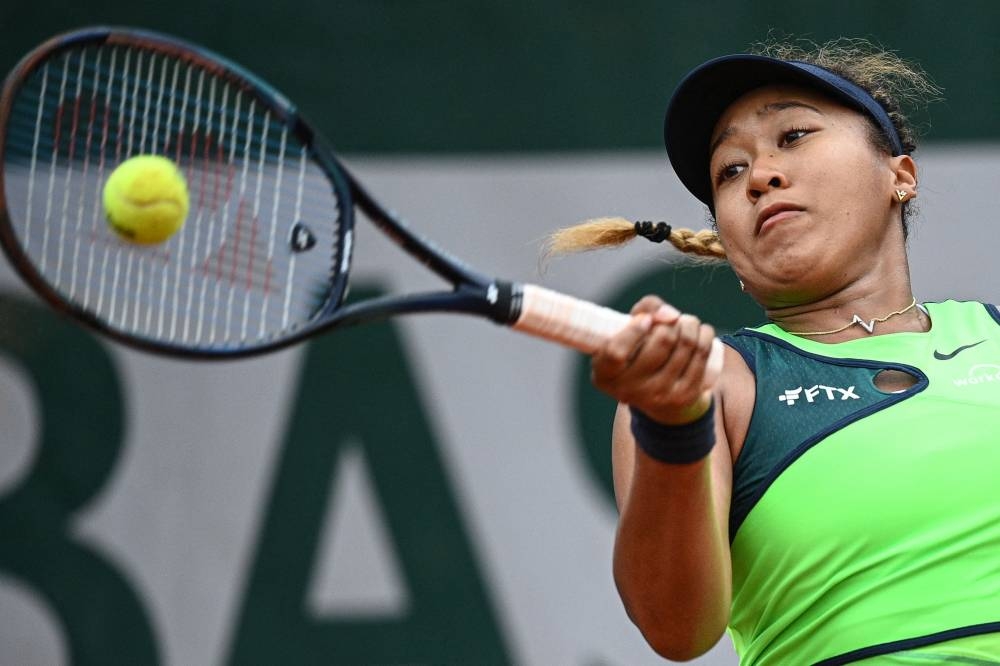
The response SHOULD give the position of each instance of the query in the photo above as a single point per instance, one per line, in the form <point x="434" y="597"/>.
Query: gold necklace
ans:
<point x="867" y="325"/>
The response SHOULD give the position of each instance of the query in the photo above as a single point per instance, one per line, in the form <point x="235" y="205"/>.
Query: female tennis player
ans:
<point x="833" y="498"/>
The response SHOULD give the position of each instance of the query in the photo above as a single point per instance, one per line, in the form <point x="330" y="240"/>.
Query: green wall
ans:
<point x="393" y="76"/>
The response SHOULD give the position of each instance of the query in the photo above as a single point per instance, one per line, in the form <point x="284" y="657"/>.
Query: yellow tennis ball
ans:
<point x="146" y="199"/>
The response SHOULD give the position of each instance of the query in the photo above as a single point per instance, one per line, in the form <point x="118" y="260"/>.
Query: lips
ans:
<point x="774" y="213"/>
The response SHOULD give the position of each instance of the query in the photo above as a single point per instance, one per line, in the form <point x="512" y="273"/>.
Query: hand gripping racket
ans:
<point x="263" y="259"/>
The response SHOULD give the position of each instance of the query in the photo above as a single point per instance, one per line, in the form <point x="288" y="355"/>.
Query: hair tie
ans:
<point x="657" y="232"/>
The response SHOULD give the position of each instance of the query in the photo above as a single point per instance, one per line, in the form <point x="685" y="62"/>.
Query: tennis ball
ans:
<point x="146" y="199"/>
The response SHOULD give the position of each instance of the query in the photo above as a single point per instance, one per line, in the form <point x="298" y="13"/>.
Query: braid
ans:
<point x="613" y="231"/>
<point x="704" y="243"/>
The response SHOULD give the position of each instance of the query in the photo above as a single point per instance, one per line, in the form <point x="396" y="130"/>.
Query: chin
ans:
<point x="791" y="271"/>
<point x="790" y="288"/>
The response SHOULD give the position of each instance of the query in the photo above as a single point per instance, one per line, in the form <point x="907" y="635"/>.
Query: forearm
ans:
<point x="671" y="560"/>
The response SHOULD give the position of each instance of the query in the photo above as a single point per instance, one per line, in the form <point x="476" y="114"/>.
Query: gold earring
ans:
<point x="901" y="195"/>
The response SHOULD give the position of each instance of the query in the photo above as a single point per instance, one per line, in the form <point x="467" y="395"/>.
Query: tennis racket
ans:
<point x="264" y="257"/>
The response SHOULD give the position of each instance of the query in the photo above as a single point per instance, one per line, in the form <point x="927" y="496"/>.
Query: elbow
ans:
<point x="674" y="652"/>
<point x="680" y="634"/>
<point x="680" y="646"/>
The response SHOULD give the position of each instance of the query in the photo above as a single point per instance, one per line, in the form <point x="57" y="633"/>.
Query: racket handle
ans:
<point x="583" y="325"/>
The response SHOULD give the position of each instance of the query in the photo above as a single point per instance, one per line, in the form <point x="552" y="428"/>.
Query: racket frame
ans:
<point x="471" y="293"/>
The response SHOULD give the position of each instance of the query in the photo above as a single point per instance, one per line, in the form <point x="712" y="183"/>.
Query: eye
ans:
<point x="729" y="171"/>
<point x="793" y="135"/>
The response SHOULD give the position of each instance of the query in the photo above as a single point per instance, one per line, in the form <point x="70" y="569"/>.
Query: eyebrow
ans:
<point x="763" y="111"/>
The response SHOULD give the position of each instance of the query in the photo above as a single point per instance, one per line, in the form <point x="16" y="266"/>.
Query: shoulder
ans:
<point x="959" y="307"/>
<point x="955" y="316"/>
<point x="736" y="393"/>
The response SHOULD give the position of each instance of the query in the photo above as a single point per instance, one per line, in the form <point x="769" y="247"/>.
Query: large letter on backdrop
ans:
<point x="356" y="390"/>
<point x="80" y="439"/>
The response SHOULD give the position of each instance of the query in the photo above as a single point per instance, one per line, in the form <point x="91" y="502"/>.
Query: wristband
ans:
<point x="675" y="444"/>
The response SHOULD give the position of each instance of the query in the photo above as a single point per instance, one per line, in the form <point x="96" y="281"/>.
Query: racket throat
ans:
<point x="501" y="300"/>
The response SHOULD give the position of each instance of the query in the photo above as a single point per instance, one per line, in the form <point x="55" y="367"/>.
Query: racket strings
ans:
<point x="227" y="277"/>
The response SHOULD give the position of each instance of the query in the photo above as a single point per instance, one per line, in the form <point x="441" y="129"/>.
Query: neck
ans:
<point x="832" y="318"/>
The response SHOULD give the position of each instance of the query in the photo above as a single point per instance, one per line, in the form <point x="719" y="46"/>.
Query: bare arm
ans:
<point x="671" y="560"/>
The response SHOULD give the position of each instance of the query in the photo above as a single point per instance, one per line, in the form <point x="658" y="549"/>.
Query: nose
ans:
<point x="764" y="176"/>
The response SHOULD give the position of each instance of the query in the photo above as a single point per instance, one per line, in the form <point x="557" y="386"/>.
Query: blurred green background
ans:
<point x="545" y="75"/>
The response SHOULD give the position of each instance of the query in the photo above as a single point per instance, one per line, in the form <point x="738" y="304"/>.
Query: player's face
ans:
<point x="803" y="200"/>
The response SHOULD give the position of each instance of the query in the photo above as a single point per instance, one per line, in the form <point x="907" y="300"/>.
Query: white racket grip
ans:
<point x="583" y="325"/>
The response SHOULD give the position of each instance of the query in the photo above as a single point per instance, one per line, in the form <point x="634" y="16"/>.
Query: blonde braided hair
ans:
<point x="605" y="232"/>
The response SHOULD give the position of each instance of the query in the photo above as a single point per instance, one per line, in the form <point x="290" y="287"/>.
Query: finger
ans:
<point x="683" y="344"/>
<point x="694" y="373"/>
<point x="645" y="378"/>
<point x="621" y="349"/>
<point x="708" y="370"/>
<point x="669" y="391"/>
<point x="652" y="357"/>
<point x="647" y="304"/>
<point x="716" y="359"/>
<point x="656" y="350"/>
<point x="692" y="379"/>
<point x="666" y="314"/>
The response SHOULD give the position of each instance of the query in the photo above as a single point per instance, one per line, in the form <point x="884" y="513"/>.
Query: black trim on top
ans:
<point x="736" y="519"/>
<point x="909" y="643"/>
<point x="994" y="311"/>
<point x="749" y="359"/>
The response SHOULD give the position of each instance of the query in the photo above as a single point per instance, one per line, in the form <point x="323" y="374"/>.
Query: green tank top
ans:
<point x="866" y="523"/>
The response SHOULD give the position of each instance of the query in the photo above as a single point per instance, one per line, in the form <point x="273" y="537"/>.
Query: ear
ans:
<point x="904" y="171"/>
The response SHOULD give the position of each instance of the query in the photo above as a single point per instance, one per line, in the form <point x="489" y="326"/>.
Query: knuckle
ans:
<point x="687" y="342"/>
<point x="647" y="303"/>
<point x="607" y="353"/>
<point x="668" y="331"/>
<point x="616" y="355"/>
<point x="658" y="335"/>
<point x="601" y="380"/>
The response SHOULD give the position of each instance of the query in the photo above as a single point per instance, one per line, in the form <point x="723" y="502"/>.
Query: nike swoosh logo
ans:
<point x="944" y="357"/>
